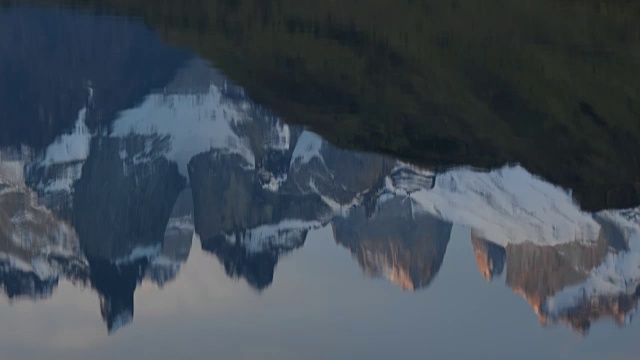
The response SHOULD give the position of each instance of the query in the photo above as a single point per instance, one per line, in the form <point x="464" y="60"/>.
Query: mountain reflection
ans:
<point x="117" y="190"/>
<point x="405" y="247"/>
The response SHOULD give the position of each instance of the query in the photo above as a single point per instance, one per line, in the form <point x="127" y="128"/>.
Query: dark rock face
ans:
<point x="120" y="205"/>
<point x="115" y="285"/>
<point x="490" y="257"/>
<point x="249" y="215"/>
<point x="21" y="284"/>
<point x="339" y="174"/>
<point x="406" y="247"/>
<point x="228" y="198"/>
<point x="229" y="201"/>
<point x="121" y="211"/>
<point x="256" y="268"/>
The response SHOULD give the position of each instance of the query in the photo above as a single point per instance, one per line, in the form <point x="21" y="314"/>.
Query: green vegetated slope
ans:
<point x="551" y="84"/>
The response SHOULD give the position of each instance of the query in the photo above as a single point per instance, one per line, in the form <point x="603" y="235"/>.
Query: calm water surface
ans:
<point x="149" y="208"/>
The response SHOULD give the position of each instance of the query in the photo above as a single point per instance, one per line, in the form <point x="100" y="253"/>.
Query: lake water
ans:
<point x="157" y="201"/>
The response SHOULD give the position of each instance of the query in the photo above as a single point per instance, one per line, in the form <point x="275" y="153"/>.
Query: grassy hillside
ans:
<point x="551" y="84"/>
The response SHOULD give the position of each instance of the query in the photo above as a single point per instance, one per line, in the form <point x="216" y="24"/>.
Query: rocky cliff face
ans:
<point x="244" y="224"/>
<point x="36" y="246"/>
<point x="610" y="288"/>
<point x="121" y="204"/>
<point x="537" y="272"/>
<point x="121" y="211"/>
<point x="490" y="257"/>
<point x="249" y="216"/>
<point x="397" y="244"/>
<point x="573" y="283"/>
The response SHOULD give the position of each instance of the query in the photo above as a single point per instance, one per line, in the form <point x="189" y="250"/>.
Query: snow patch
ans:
<point x="284" y="234"/>
<point x="274" y="183"/>
<point x="508" y="205"/>
<point x="37" y="266"/>
<point x="279" y="137"/>
<point x="619" y="274"/>
<point x="195" y="123"/>
<point x="307" y="148"/>
<point x="121" y="320"/>
<point x="70" y="147"/>
<point x="139" y="253"/>
<point x="69" y="150"/>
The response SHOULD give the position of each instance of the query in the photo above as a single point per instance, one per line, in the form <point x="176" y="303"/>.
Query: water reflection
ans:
<point x="114" y="191"/>
<point x="111" y="210"/>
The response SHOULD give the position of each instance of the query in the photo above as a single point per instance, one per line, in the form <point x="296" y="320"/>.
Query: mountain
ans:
<point x="74" y="205"/>
<point x="611" y="288"/>
<point x="250" y="214"/>
<point x="571" y="266"/>
<point x="507" y="205"/>
<point x="199" y="158"/>
<point x="395" y="243"/>
<point x="575" y="283"/>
